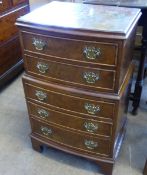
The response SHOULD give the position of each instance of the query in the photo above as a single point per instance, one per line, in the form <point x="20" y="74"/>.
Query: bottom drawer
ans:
<point x="77" y="141"/>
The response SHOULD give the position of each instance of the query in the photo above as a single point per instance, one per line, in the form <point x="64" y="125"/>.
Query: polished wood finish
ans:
<point x="111" y="74"/>
<point x="10" y="51"/>
<point x="110" y="79"/>
<point x="63" y="102"/>
<point x="57" y="72"/>
<point x="56" y="45"/>
<point x="136" y="95"/>
<point x="8" y="22"/>
<point x="72" y="121"/>
<point x="61" y="99"/>
<point x="63" y="136"/>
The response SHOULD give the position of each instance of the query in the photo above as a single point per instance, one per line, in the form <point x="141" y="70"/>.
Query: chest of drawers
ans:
<point x="78" y="73"/>
<point x="10" y="62"/>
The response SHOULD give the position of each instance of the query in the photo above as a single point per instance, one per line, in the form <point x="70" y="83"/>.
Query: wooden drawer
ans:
<point x="75" y="140"/>
<point x="16" y="2"/>
<point x="87" y="125"/>
<point x="68" y="73"/>
<point x="49" y="94"/>
<point x="71" y="49"/>
<point x="8" y="29"/>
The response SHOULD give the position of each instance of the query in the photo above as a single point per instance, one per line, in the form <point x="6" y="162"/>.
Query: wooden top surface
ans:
<point x="122" y="3"/>
<point x="81" y="17"/>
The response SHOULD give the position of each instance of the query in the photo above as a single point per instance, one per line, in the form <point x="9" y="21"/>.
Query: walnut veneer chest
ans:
<point x="78" y="62"/>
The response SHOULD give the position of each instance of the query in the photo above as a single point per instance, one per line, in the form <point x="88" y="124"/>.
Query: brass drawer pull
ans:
<point x="91" y="53"/>
<point x="42" y="67"/>
<point x="46" y="131"/>
<point x="41" y="95"/>
<point x="39" y="44"/>
<point x="91" y="108"/>
<point x="90" y="77"/>
<point x="43" y="113"/>
<point x="90" y="127"/>
<point x="90" y="144"/>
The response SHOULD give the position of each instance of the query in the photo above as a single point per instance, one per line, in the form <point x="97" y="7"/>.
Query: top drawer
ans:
<point x="78" y="50"/>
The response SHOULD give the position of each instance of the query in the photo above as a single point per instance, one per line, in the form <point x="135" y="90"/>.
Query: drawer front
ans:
<point x="84" y="77"/>
<point x="8" y="28"/>
<point x="86" y="125"/>
<point x="80" y="50"/>
<point x="69" y="102"/>
<point x="79" y="141"/>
